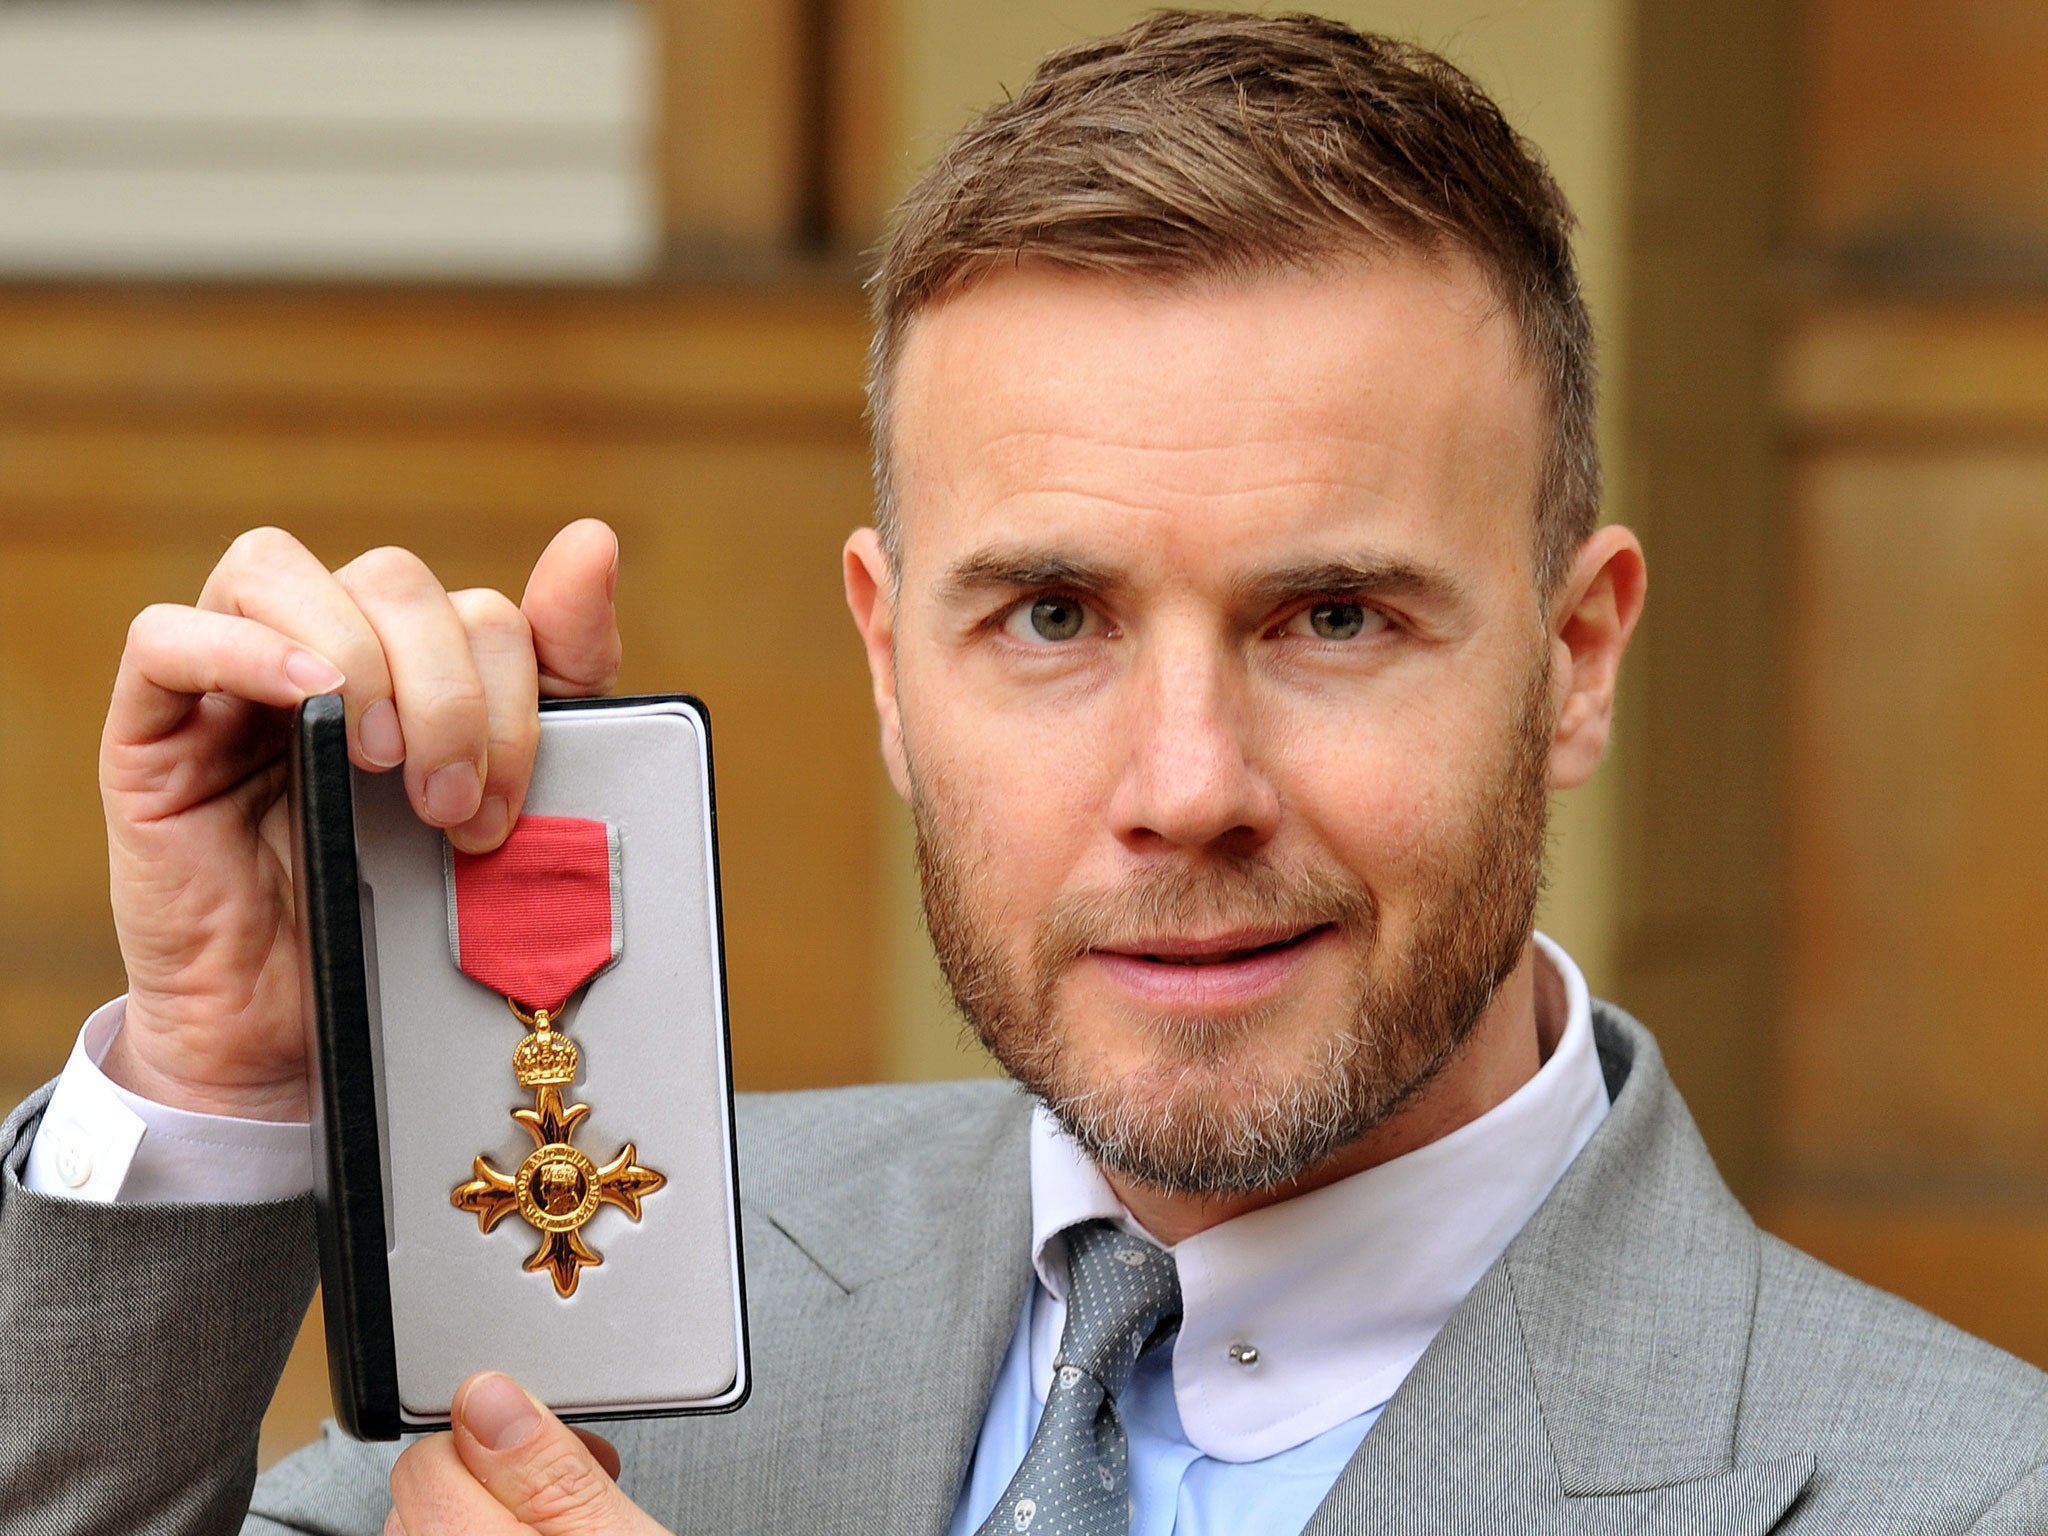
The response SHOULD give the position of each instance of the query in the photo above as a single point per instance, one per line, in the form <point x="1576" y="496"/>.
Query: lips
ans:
<point x="1219" y="973"/>
<point x="1222" y="950"/>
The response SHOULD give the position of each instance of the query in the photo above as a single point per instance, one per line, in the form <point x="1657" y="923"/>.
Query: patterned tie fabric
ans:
<point x="1121" y="1291"/>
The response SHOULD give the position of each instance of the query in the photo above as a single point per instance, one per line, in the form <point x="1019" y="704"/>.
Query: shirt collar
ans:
<point x="1339" y="1290"/>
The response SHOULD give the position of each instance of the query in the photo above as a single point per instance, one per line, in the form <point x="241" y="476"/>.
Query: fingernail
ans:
<point x="315" y="674"/>
<point x="453" y="792"/>
<point x="486" y="829"/>
<point x="379" y="734"/>
<point x="611" y="577"/>
<point x="498" y="1413"/>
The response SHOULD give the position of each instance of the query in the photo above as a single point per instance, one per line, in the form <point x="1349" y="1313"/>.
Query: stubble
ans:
<point x="1213" y="1112"/>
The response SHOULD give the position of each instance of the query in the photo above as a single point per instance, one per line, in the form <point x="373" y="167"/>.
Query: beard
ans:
<point x="1214" y="1111"/>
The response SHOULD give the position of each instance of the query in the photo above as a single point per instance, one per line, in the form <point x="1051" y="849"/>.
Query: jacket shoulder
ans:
<point x="1710" y="1331"/>
<point x="1843" y="1367"/>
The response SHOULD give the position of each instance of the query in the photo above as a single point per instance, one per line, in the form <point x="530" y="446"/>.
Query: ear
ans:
<point x="1591" y="619"/>
<point x="871" y="595"/>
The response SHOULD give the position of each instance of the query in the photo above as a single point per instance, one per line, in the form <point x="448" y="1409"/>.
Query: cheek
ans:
<point x="1378" y="792"/>
<point x="1021" y="793"/>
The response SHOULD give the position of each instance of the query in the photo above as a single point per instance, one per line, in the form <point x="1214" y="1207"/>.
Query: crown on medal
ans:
<point x="545" y="1059"/>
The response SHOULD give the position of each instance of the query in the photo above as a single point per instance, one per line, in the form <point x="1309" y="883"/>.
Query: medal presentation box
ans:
<point x="570" y="1217"/>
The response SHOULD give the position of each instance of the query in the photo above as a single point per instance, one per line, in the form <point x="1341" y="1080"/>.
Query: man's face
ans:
<point x="1218" y="682"/>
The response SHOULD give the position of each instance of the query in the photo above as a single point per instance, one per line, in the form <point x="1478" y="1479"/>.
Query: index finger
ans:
<point x="269" y="576"/>
<point x="568" y="603"/>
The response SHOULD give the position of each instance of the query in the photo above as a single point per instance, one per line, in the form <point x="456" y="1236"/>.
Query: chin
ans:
<point x="1211" y="1105"/>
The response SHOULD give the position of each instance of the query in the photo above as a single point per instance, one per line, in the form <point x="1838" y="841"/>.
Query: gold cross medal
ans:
<point x="535" y="921"/>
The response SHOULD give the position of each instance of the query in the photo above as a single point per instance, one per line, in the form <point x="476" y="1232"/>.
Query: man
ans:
<point x="1234" y="603"/>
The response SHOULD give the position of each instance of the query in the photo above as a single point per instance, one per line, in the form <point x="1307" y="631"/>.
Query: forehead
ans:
<point x="1385" y="398"/>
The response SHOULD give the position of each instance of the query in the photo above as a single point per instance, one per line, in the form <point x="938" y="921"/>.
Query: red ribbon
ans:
<point x="538" y="917"/>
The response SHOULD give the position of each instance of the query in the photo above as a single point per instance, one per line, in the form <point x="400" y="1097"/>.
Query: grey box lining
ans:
<point x="659" y="1324"/>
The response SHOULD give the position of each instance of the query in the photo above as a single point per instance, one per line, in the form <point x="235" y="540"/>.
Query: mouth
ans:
<point x="1217" y="973"/>
<point x="1223" y="949"/>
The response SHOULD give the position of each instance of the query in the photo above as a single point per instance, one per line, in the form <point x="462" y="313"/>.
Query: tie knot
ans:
<point x="1120" y="1291"/>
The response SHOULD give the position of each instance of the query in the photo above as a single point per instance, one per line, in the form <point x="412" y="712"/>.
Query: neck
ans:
<point x="1512" y="1039"/>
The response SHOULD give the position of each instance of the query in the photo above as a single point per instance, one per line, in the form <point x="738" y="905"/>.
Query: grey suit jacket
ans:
<point x="1641" y="1359"/>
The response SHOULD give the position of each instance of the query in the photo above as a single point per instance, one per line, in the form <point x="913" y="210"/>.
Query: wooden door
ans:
<point x="1909" y="1124"/>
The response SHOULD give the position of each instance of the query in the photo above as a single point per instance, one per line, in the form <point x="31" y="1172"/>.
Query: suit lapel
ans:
<point x="1462" y="1445"/>
<point x="1591" y="1381"/>
<point x="927" y="1287"/>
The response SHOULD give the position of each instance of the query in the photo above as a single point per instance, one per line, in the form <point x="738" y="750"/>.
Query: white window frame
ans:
<point x="374" y="138"/>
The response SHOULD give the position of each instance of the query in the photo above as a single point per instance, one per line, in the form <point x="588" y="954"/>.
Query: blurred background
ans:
<point x="451" y="272"/>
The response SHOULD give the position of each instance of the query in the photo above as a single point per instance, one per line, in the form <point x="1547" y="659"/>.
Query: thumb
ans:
<point x="568" y="605"/>
<point x="546" y="1475"/>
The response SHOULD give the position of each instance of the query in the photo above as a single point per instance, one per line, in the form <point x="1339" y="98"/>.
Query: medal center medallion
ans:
<point x="558" y="1188"/>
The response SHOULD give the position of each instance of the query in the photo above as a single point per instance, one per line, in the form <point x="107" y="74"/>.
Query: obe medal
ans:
<point x="535" y="921"/>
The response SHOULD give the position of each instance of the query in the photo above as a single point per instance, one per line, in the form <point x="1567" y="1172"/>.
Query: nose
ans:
<point x="1192" y="778"/>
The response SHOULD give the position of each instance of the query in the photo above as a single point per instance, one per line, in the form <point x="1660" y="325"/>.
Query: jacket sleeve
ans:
<point x="139" y="1347"/>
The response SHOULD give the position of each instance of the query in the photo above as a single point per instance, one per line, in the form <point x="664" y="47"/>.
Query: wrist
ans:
<point x="136" y="1060"/>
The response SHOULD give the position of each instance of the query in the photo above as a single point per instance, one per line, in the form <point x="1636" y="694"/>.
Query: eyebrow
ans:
<point x="1020" y="570"/>
<point x="1368" y="576"/>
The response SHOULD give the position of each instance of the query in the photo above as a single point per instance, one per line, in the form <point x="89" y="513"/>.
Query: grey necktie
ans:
<point x="1074" y="1480"/>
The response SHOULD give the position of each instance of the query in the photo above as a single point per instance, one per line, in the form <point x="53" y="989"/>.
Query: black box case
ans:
<point x="407" y="1066"/>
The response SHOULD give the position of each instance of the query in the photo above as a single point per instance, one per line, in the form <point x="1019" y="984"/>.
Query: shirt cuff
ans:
<point x="97" y="1141"/>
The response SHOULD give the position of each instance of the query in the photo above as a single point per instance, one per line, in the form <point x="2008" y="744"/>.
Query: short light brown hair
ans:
<point x="1212" y="144"/>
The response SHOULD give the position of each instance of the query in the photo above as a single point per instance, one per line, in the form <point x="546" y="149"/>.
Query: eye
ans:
<point x="1336" y="621"/>
<point x="1047" y="620"/>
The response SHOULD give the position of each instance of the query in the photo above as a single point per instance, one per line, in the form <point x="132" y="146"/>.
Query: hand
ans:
<point x="193" y="773"/>
<point x="510" y="1467"/>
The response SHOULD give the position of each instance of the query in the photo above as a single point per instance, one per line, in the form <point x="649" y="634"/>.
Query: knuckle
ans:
<point x="490" y="614"/>
<point x="456" y="699"/>
<point x="561" y="1487"/>
<point x="404" y="1471"/>
<point x="147" y="627"/>
<point x="408" y="1465"/>
<point x="514" y="740"/>
<point x="419" y="1479"/>
<point x="389" y="567"/>
<point x="262" y="546"/>
<point x="595" y="667"/>
<point x="444" y="716"/>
